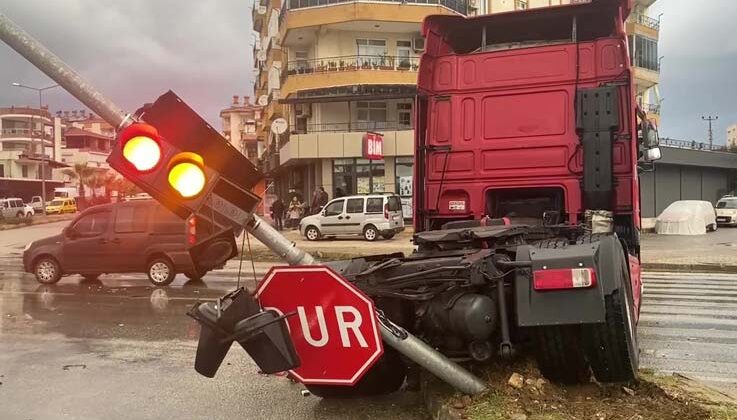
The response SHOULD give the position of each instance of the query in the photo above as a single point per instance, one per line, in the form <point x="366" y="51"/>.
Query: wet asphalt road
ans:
<point x="121" y="349"/>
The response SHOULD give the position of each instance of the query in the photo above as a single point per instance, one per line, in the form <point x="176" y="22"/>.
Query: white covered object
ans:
<point x="686" y="217"/>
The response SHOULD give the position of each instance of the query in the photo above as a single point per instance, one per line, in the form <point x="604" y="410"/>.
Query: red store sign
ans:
<point x="373" y="146"/>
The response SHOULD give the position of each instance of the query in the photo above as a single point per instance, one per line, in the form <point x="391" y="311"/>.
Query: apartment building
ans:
<point x="333" y="71"/>
<point x="239" y="122"/>
<point x="732" y="136"/>
<point x="28" y="139"/>
<point x="644" y="32"/>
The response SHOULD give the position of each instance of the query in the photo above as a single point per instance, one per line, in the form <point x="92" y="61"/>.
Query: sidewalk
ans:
<point x="713" y="252"/>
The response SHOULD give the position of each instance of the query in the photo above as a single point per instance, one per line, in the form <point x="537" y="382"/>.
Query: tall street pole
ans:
<point x="43" y="133"/>
<point x="711" y="132"/>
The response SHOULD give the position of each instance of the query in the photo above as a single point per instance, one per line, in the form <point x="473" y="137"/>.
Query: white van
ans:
<point x="368" y="215"/>
<point x="727" y="211"/>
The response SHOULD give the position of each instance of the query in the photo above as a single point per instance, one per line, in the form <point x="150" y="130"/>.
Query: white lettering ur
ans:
<point x="345" y="327"/>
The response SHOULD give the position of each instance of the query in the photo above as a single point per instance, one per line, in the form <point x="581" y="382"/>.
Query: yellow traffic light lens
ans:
<point x="187" y="178"/>
<point x="142" y="152"/>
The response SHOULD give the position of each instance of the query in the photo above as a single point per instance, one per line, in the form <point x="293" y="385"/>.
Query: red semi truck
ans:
<point x="528" y="146"/>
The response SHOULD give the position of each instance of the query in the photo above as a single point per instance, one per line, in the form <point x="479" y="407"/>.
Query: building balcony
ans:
<point x="642" y="24"/>
<point x="258" y="15"/>
<point x="308" y="13"/>
<point x="274" y="109"/>
<point x="651" y="108"/>
<point x="23" y="134"/>
<point x="645" y="78"/>
<point x="348" y="70"/>
<point x="342" y="144"/>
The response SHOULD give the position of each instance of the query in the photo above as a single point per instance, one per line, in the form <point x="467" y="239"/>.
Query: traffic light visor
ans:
<point x="140" y="146"/>
<point x="187" y="174"/>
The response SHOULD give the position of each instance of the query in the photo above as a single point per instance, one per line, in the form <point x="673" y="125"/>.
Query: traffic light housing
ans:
<point x="171" y="153"/>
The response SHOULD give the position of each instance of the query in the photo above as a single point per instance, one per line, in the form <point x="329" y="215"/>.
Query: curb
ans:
<point x="690" y="268"/>
<point x="37" y="222"/>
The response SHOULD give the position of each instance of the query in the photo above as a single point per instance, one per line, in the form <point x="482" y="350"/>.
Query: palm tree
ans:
<point x="81" y="172"/>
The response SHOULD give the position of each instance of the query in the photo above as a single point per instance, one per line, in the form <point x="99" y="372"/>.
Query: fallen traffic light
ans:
<point x="237" y="316"/>
<point x="214" y="251"/>
<point x="171" y="153"/>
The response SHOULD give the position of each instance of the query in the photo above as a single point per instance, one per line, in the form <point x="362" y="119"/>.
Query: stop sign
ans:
<point x="334" y="329"/>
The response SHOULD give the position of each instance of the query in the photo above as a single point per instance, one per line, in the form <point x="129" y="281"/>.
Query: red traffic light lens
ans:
<point x="144" y="153"/>
<point x="140" y="146"/>
<point x="187" y="174"/>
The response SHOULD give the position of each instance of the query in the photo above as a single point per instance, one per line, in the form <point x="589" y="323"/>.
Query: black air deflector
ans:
<point x="597" y="118"/>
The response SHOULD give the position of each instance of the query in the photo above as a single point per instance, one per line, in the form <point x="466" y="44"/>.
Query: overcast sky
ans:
<point x="135" y="50"/>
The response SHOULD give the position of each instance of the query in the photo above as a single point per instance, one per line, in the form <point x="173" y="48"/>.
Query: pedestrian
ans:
<point x="295" y="212"/>
<point x="319" y="199"/>
<point x="277" y="213"/>
<point x="339" y="192"/>
<point x="323" y="198"/>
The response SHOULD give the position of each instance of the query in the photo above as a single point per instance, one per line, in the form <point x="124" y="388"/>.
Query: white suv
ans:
<point x="368" y="215"/>
<point x="14" y="207"/>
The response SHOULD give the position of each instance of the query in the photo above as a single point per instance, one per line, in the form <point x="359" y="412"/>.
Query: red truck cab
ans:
<point x="529" y="116"/>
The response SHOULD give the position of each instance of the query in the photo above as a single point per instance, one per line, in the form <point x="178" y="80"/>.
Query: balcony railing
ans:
<point x="646" y="63"/>
<point x="23" y="132"/>
<point x="694" y="145"/>
<point x="645" y="21"/>
<point x="354" y="126"/>
<point x="460" y="6"/>
<point x="651" y="108"/>
<point x="350" y="63"/>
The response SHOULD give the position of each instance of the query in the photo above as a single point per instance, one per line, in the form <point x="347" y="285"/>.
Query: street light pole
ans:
<point x="711" y="133"/>
<point x="43" y="146"/>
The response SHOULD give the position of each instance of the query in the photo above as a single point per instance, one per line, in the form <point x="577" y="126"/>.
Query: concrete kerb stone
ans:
<point x="38" y="220"/>
<point x="691" y="268"/>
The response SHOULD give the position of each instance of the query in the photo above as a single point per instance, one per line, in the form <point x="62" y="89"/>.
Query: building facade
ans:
<point x="239" y="122"/>
<point x="29" y="139"/>
<point x="732" y="136"/>
<point x="335" y="70"/>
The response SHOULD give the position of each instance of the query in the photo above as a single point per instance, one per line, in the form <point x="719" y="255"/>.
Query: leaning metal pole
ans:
<point x="60" y="72"/>
<point x="404" y="342"/>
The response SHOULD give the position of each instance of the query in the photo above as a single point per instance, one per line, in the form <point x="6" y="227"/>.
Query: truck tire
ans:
<point x="385" y="377"/>
<point x="611" y="347"/>
<point x="560" y="356"/>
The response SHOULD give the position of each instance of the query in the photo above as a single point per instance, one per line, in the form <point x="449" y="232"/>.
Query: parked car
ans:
<point x="727" y="211"/>
<point x="37" y="204"/>
<point x="687" y="217"/>
<point x="15" y="207"/>
<point x="61" y="205"/>
<point x="127" y="237"/>
<point x="368" y="215"/>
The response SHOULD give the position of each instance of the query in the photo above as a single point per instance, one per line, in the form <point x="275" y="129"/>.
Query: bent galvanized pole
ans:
<point x="60" y="72"/>
<point x="404" y="342"/>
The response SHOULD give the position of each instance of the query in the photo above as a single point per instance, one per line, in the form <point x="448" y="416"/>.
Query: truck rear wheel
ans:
<point x="560" y="356"/>
<point x="611" y="347"/>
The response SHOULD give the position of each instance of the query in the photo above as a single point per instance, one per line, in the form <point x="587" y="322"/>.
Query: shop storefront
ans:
<point x="358" y="176"/>
<point x="403" y="182"/>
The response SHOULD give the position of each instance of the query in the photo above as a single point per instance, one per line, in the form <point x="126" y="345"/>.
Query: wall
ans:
<point x="669" y="183"/>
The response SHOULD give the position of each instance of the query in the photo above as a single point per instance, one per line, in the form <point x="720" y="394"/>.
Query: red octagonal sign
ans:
<point x="334" y="329"/>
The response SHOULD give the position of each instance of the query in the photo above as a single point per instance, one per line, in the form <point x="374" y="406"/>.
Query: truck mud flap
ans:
<point x="567" y="306"/>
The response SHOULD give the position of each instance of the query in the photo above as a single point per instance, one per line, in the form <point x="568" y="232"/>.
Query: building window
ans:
<point x="300" y="58"/>
<point x="404" y="54"/>
<point x="371" y="115"/>
<point x="371" y="52"/>
<point x="2" y="171"/>
<point x="404" y="116"/>
<point x="357" y="176"/>
<point x="24" y="171"/>
<point x="521" y="4"/>
<point x="644" y="52"/>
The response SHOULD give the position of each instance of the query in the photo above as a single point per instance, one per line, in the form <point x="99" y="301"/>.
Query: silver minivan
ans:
<point x="371" y="216"/>
<point x="14" y="207"/>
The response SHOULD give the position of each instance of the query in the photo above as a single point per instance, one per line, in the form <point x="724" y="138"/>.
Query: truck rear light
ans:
<point x="386" y="211"/>
<point x="566" y="278"/>
<point x="192" y="230"/>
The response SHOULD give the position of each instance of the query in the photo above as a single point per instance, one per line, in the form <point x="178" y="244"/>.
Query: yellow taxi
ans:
<point x="61" y="205"/>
